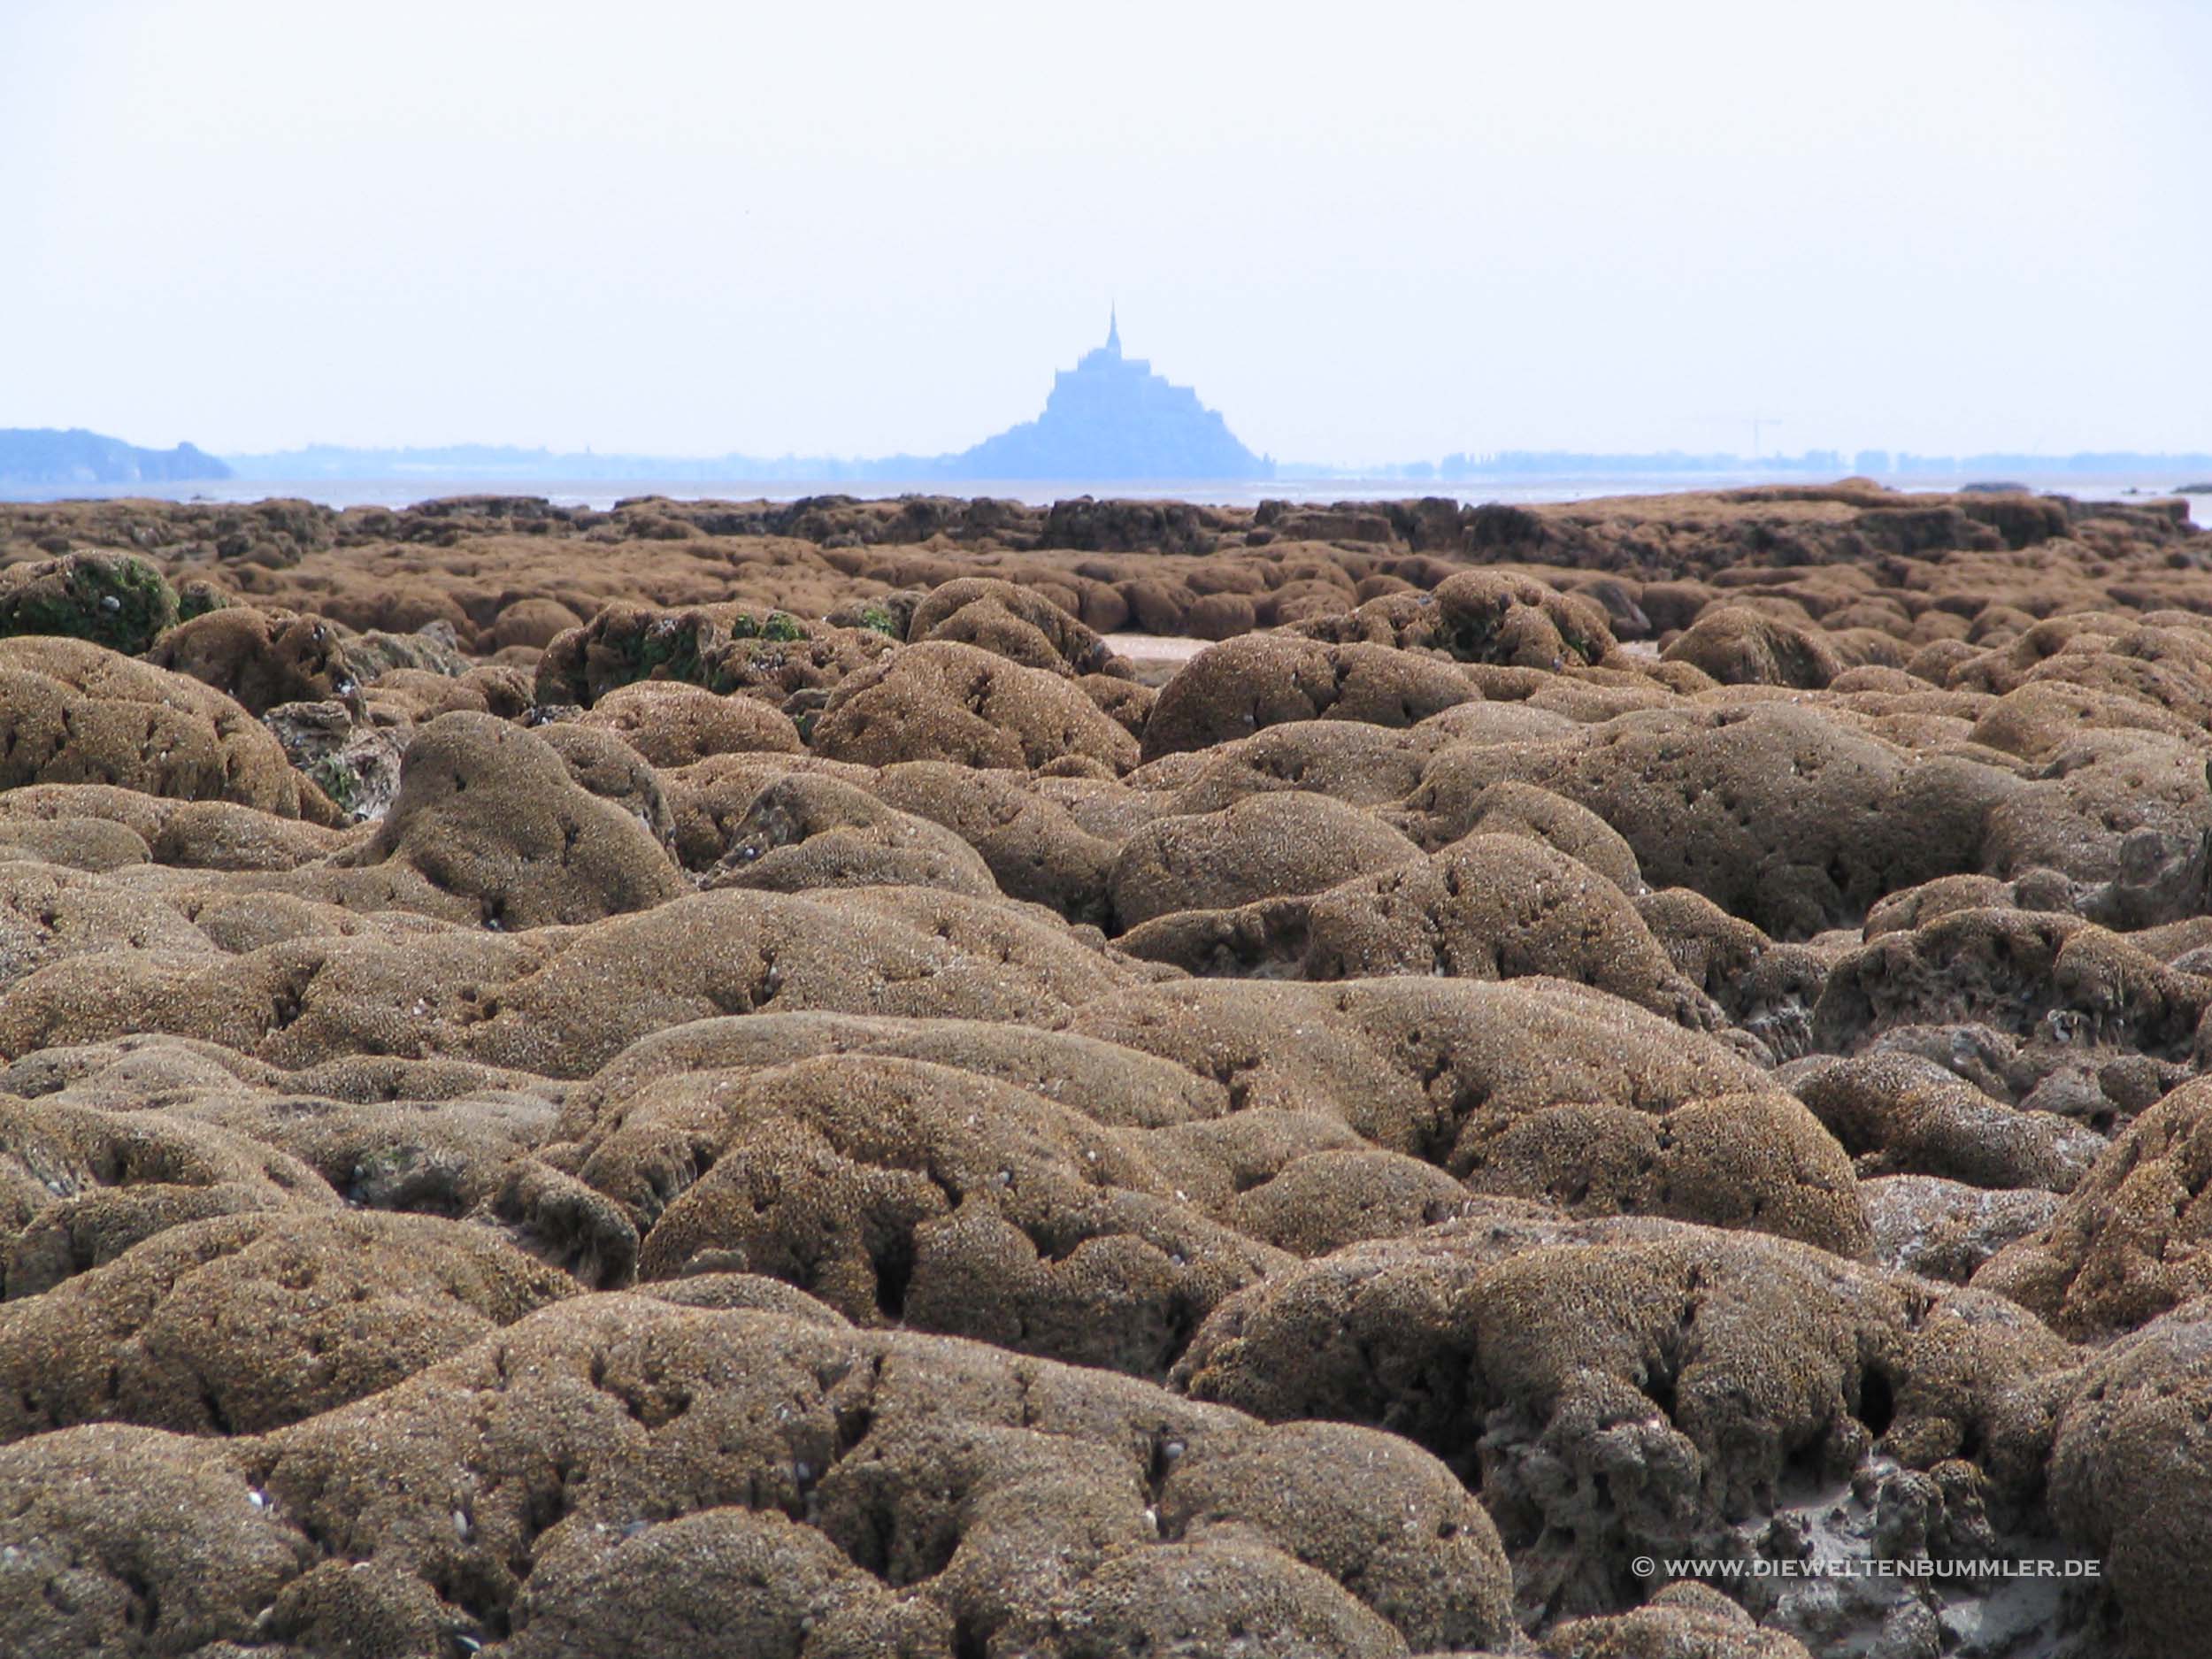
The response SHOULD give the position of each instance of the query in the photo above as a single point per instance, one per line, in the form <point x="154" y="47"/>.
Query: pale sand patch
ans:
<point x="1155" y="647"/>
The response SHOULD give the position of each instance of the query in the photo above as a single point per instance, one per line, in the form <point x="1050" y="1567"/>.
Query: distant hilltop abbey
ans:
<point x="1110" y="417"/>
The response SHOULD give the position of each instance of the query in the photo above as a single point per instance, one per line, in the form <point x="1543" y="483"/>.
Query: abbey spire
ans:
<point x="1113" y="331"/>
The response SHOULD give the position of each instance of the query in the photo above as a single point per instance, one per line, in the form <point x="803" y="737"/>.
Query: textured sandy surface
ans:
<point x="947" y="1078"/>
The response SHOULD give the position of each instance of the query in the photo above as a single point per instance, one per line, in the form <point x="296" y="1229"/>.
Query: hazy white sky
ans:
<point x="1365" y="233"/>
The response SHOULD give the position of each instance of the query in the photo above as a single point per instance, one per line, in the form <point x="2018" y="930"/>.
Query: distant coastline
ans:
<point x="44" y="464"/>
<point x="1110" y="424"/>
<point x="602" y="494"/>
<point x="1110" y="419"/>
<point x="461" y="463"/>
<point x="50" y="457"/>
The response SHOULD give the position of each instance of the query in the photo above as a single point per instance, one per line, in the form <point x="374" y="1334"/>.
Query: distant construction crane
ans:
<point x="1759" y="423"/>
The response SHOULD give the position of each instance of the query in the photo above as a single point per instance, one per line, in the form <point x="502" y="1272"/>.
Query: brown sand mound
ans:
<point x="1013" y="1499"/>
<point x="2131" y="1240"/>
<point x="673" y="723"/>
<point x="1034" y="847"/>
<point x="487" y="812"/>
<point x="240" y="1323"/>
<point x="72" y="712"/>
<point x="82" y="1187"/>
<point x="803" y="832"/>
<point x="1265" y="845"/>
<point x="1689" y="1366"/>
<point x="260" y="657"/>
<point x="897" y="1191"/>
<point x="945" y="701"/>
<point x="1010" y="622"/>
<point x="1262" y="680"/>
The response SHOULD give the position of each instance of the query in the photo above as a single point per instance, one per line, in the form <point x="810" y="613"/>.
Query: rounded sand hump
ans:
<point x="943" y="1079"/>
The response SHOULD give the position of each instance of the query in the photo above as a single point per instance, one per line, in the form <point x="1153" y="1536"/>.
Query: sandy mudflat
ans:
<point x="937" y="1078"/>
<point x="1153" y="647"/>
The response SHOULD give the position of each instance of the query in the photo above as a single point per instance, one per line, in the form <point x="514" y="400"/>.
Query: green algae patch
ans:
<point x="117" y="600"/>
<point x="199" y="596"/>
<point x="721" y="647"/>
<point x="780" y="626"/>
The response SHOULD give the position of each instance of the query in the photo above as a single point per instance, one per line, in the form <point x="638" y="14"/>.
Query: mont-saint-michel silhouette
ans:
<point x="1111" y="417"/>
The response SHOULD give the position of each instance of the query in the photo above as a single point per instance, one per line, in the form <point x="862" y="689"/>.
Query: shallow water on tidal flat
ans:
<point x="600" y="495"/>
